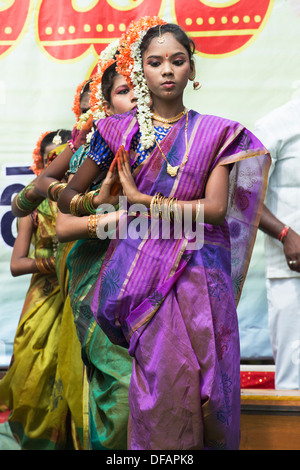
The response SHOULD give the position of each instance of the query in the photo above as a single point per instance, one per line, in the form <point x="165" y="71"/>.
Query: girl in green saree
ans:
<point x="107" y="366"/>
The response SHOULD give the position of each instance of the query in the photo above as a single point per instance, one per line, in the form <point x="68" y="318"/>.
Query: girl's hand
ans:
<point x="128" y="184"/>
<point x="111" y="188"/>
<point x="87" y="125"/>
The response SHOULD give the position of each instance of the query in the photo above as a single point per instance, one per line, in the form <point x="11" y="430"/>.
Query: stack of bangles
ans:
<point x="23" y="203"/>
<point x="83" y="203"/>
<point x="54" y="190"/>
<point x="168" y="208"/>
<point x="45" y="265"/>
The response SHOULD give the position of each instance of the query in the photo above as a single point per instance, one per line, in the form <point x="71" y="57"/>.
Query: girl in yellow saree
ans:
<point x="32" y="387"/>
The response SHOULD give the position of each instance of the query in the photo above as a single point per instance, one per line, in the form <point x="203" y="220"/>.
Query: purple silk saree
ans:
<point x="174" y="307"/>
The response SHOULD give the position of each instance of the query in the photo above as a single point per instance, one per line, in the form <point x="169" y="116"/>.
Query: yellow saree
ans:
<point x="32" y="387"/>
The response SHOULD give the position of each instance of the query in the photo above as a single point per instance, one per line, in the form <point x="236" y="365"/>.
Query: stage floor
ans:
<point x="270" y="419"/>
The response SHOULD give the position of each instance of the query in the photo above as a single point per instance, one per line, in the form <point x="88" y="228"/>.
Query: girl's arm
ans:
<point x="71" y="228"/>
<point x="20" y="263"/>
<point x="54" y="172"/>
<point x="57" y="169"/>
<point x="33" y="200"/>
<point x="270" y="225"/>
<point x="214" y="203"/>
<point x="86" y="174"/>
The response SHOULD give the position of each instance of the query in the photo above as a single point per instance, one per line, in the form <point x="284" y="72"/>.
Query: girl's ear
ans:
<point x="107" y="108"/>
<point x="193" y="71"/>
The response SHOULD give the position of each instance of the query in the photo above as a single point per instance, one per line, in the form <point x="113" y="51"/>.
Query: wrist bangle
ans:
<point x="52" y="185"/>
<point x="283" y="233"/>
<point x="57" y="188"/>
<point x="45" y="265"/>
<point x="24" y="204"/>
<point x="92" y="225"/>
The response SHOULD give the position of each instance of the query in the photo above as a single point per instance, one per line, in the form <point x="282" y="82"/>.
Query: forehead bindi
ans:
<point x="165" y="46"/>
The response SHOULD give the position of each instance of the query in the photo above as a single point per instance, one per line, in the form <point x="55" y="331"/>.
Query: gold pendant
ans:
<point x="172" y="170"/>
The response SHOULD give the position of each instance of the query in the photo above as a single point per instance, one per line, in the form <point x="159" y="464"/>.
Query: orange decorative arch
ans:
<point x="221" y="29"/>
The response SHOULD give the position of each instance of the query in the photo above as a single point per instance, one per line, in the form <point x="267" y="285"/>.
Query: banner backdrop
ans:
<point x="247" y="61"/>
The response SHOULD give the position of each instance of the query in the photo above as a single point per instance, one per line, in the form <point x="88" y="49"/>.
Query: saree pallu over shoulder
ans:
<point x="123" y="298"/>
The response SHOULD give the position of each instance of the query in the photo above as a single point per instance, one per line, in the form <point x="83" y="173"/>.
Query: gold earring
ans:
<point x="196" y="85"/>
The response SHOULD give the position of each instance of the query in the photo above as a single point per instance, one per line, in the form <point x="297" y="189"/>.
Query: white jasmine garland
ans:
<point x="82" y="119"/>
<point x="142" y="94"/>
<point x="90" y="135"/>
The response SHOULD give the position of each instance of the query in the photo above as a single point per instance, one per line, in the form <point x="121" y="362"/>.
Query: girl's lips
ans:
<point x="168" y="85"/>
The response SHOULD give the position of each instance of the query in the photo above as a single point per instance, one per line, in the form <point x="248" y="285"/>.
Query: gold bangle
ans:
<point x="74" y="204"/>
<point x="58" y="188"/>
<point x="40" y="266"/>
<point x="155" y="205"/>
<point x="197" y="210"/>
<point x="92" y="225"/>
<point x="50" y="263"/>
<point x="51" y="185"/>
<point x="177" y="212"/>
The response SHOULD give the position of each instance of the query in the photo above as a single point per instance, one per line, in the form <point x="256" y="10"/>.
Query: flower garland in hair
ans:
<point x="106" y="59"/>
<point x="130" y="65"/>
<point x="37" y="165"/>
<point x="76" y="104"/>
<point x="82" y="118"/>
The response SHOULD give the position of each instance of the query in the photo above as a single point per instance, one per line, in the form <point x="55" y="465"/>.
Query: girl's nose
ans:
<point x="166" y="68"/>
<point x="132" y="96"/>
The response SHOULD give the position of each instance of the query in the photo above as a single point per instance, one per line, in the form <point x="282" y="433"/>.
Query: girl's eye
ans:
<point x="154" y="63"/>
<point x="179" y="62"/>
<point x="124" y="91"/>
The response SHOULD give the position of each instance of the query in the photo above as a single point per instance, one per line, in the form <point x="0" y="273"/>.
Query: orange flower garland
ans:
<point x="76" y="105"/>
<point x="38" y="165"/>
<point x="106" y="58"/>
<point x="95" y="99"/>
<point x="125" y="61"/>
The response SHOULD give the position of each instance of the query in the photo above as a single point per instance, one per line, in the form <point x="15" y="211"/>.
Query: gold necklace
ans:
<point x="166" y="120"/>
<point x="173" y="170"/>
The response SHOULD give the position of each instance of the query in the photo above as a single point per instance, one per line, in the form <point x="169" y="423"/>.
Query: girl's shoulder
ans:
<point x="215" y="119"/>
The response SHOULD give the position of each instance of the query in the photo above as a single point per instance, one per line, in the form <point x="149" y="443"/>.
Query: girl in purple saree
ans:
<point x="172" y="302"/>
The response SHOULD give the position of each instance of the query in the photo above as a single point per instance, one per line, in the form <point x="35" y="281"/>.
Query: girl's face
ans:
<point x="45" y="155"/>
<point x="85" y="102"/>
<point x="167" y="67"/>
<point x="122" y="97"/>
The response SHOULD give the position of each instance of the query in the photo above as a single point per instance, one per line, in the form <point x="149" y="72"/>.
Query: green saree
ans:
<point x="107" y="367"/>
